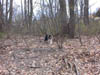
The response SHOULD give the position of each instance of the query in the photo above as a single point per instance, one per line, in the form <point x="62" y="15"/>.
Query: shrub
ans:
<point x="2" y="34"/>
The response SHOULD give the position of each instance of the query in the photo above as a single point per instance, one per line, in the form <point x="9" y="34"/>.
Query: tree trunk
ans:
<point x="72" y="19"/>
<point x="11" y="12"/>
<point x="63" y="17"/>
<point x="81" y="9"/>
<point x="31" y="11"/>
<point x="6" y="11"/>
<point x="22" y="9"/>
<point x="86" y="13"/>
<point x="25" y="12"/>
<point x="1" y="17"/>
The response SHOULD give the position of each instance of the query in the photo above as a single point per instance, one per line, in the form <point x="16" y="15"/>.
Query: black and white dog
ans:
<point x="48" y="38"/>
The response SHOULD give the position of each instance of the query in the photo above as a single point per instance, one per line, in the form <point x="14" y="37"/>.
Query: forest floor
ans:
<point x="29" y="55"/>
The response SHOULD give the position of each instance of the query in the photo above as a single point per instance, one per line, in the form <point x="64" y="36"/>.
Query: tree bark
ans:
<point x="1" y="17"/>
<point x="22" y="9"/>
<point x="31" y="11"/>
<point x="25" y="12"/>
<point x="86" y="12"/>
<point x="72" y="19"/>
<point x="11" y="12"/>
<point x="6" y="11"/>
<point x="63" y="17"/>
<point x="81" y="9"/>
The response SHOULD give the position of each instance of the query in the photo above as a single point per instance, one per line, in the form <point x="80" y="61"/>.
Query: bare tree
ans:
<point x="1" y="16"/>
<point x="22" y="9"/>
<point x="31" y="13"/>
<point x="72" y="19"/>
<point x="63" y="21"/>
<point x="81" y="8"/>
<point x="25" y="12"/>
<point x="63" y="17"/>
<point x="86" y="12"/>
<point x="6" y="11"/>
<point x="11" y="12"/>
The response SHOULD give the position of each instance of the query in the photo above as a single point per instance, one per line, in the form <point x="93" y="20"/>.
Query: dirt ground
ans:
<point x="29" y="55"/>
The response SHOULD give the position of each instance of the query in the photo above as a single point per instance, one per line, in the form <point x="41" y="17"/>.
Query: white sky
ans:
<point x="94" y="4"/>
<point x="35" y="6"/>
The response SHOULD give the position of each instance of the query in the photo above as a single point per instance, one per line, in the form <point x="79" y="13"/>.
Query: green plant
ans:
<point x="2" y="34"/>
<point x="92" y="29"/>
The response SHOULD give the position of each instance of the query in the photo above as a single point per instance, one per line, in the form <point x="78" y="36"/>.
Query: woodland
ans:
<point x="73" y="47"/>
